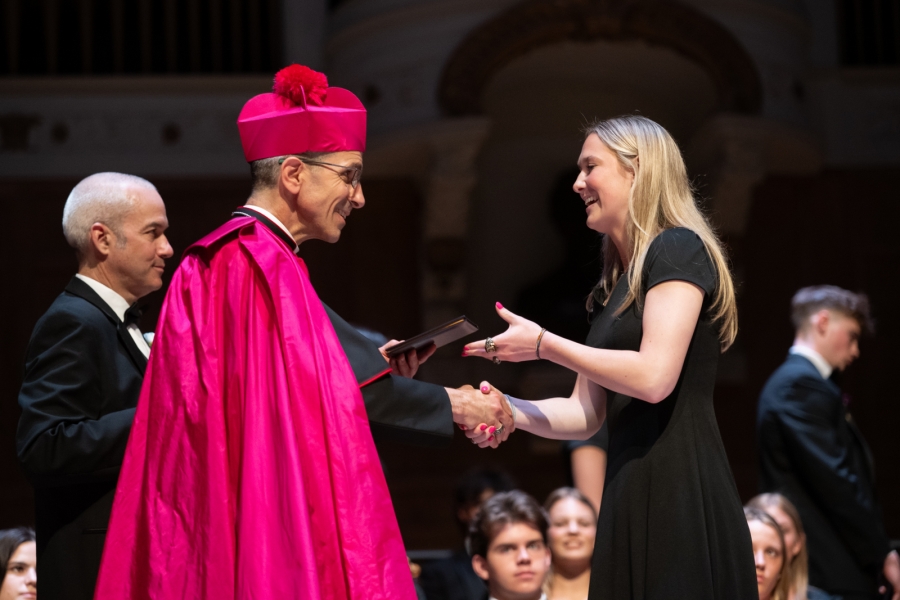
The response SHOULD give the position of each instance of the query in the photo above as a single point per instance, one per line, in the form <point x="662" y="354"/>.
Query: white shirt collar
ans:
<point x="815" y="358"/>
<point x="116" y="302"/>
<point x="274" y="219"/>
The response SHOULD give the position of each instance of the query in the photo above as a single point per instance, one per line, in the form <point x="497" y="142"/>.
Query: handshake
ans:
<point x="485" y="414"/>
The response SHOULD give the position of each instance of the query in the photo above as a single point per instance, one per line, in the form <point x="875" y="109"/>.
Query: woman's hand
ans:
<point x="517" y="344"/>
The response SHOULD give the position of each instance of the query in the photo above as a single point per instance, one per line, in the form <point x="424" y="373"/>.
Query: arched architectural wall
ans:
<point x="535" y="23"/>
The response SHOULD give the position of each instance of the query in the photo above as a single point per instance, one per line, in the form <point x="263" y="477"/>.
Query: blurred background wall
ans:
<point x="788" y="112"/>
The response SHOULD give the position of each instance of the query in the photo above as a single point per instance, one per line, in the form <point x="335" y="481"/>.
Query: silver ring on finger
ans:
<point x="489" y="345"/>
<point x="498" y="430"/>
<point x="496" y="360"/>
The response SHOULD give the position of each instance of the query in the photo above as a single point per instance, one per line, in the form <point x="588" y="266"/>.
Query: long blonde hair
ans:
<point x="799" y="573"/>
<point x="661" y="198"/>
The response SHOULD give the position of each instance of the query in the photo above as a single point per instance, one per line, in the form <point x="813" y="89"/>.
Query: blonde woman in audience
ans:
<point x="772" y="564"/>
<point x="785" y="514"/>
<point x="571" y="535"/>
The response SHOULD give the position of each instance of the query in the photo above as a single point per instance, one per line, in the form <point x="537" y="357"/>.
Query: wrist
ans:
<point x="512" y="408"/>
<point x="537" y="344"/>
<point x="458" y="400"/>
<point x="549" y="346"/>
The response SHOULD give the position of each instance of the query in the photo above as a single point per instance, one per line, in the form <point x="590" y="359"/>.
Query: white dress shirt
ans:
<point x="815" y="358"/>
<point x="119" y="305"/>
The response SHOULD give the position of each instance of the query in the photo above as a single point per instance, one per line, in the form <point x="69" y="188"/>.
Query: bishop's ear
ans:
<point x="290" y="179"/>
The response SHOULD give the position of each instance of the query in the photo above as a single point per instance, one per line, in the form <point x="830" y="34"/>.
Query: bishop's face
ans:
<point x="328" y="196"/>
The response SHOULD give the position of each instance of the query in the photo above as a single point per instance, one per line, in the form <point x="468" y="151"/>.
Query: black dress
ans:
<point x="671" y="524"/>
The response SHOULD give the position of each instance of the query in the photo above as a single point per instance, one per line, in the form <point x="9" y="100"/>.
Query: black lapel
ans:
<point x="79" y="288"/>
<point x="244" y="211"/>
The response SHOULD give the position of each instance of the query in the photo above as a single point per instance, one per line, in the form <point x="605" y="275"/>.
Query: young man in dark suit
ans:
<point x="83" y="372"/>
<point x="811" y="451"/>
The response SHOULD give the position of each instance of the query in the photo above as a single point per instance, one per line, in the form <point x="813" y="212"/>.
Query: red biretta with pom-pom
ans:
<point x="302" y="115"/>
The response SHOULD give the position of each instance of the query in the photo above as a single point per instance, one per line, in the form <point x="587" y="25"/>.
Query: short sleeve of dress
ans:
<point x="679" y="254"/>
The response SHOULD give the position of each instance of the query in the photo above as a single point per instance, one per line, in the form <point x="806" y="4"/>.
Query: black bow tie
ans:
<point x="132" y="315"/>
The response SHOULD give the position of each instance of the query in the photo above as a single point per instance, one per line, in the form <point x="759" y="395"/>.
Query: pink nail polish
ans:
<point x="483" y="427"/>
<point x="490" y="439"/>
<point x="492" y="430"/>
<point x="465" y="353"/>
<point x="499" y="306"/>
<point x="485" y="389"/>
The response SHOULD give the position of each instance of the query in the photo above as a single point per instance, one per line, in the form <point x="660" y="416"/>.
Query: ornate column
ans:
<point x="455" y="145"/>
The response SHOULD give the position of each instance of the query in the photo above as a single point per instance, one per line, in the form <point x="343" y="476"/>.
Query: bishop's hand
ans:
<point x="484" y="414"/>
<point x="407" y="364"/>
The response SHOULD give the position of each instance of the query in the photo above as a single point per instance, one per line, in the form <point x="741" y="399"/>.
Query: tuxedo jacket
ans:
<point x="83" y="375"/>
<point x="811" y="452"/>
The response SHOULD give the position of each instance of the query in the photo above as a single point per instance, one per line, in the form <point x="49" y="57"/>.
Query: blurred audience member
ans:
<point x="453" y="578"/>
<point x="772" y="564"/>
<point x="18" y="555"/>
<point x="587" y="464"/>
<point x="788" y="519"/>
<point x="573" y="528"/>
<point x="508" y="543"/>
<point x="812" y="452"/>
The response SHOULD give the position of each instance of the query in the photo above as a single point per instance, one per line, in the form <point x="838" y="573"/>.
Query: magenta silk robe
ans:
<point x="250" y="472"/>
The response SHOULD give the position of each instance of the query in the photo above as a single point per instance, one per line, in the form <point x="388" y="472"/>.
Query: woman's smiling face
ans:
<point x="573" y="528"/>
<point x="604" y="185"/>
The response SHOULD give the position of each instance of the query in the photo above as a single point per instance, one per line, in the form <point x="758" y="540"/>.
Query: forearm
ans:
<point x="636" y="374"/>
<point x="558" y="418"/>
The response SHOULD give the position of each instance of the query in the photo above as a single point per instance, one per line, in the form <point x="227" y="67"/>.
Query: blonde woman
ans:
<point x="773" y="571"/>
<point x="671" y="524"/>
<point x="785" y="514"/>
<point x="571" y="533"/>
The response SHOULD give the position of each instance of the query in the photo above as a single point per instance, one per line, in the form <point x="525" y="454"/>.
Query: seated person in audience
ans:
<point x="772" y="565"/>
<point x="508" y="543"/>
<point x="18" y="557"/>
<point x="453" y="578"/>
<point x="587" y="465"/>
<point x="785" y="514"/>
<point x="573" y="528"/>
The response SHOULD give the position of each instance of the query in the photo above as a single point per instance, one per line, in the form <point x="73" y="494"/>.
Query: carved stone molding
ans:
<point x="535" y="23"/>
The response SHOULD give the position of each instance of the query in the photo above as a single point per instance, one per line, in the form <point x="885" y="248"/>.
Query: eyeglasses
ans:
<point x="348" y="174"/>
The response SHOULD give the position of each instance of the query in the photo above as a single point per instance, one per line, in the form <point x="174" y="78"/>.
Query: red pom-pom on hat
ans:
<point x="301" y="85"/>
